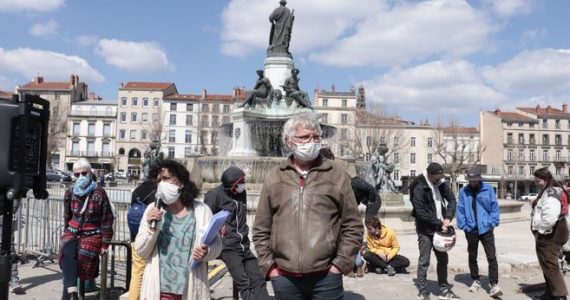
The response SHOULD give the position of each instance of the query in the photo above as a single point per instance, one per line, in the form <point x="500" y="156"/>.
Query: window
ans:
<point x="510" y="154"/>
<point x="396" y="174"/>
<point x="509" y="124"/>
<point x="133" y="117"/>
<point x="521" y="138"/>
<point x="106" y="150"/>
<point x="106" y="130"/>
<point x="91" y="129"/>
<point x="226" y="109"/>
<point x="216" y="108"/>
<point x="430" y="142"/>
<point x="187" y="151"/>
<point x="172" y="119"/>
<point x="412" y="158"/>
<point x="133" y="134"/>
<point x="544" y="123"/>
<point x="521" y="155"/>
<point x="531" y="155"/>
<point x="123" y="117"/>
<point x="412" y="142"/>
<point x="344" y="133"/>
<point x="521" y="170"/>
<point x="531" y="125"/>
<point x="188" y="137"/>
<point x="558" y="170"/>
<point x="189" y="106"/>
<point x="430" y="158"/>
<point x="75" y="149"/>
<point x="396" y="140"/>
<point x="205" y="108"/>
<point x="531" y="139"/>
<point x="122" y="134"/>
<point x="144" y="134"/>
<point x="121" y="151"/>
<point x="382" y="140"/>
<point x="135" y="102"/>
<point x="325" y="102"/>
<point x="205" y="121"/>
<point x="93" y="111"/>
<point x="214" y="137"/>
<point x="368" y="141"/>
<point x="558" y="140"/>
<point x="108" y="111"/>
<point x="154" y="117"/>
<point x="145" y="102"/>
<point x="412" y="173"/>
<point x="173" y="106"/>
<point x="215" y="121"/>
<point x="344" y="102"/>
<point x="90" y="149"/>
<point x="545" y="140"/>
<point x="325" y="118"/>
<point x="531" y="169"/>
<point x="344" y="119"/>
<point x="204" y="137"/>
<point x="172" y="136"/>
<point x="124" y="101"/>
<point x="521" y="124"/>
<point x="56" y="96"/>
<point x="558" y="155"/>
<point x="144" y="118"/>
<point x="545" y="155"/>
<point x="510" y="138"/>
<point x="170" y="152"/>
<point x="155" y="101"/>
<point x="188" y="120"/>
<point x="226" y="119"/>
<point x="510" y="170"/>
<point x="557" y="124"/>
<point x="76" y="129"/>
<point x="396" y="157"/>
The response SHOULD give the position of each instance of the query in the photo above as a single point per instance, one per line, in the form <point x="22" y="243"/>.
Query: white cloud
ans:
<point x="439" y="87"/>
<point x="44" y="29"/>
<point x="30" y="5"/>
<point x="538" y="72"/>
<point x="318" y="23"/>
<point x="133" y="56"/>
<point x="509" y="8"/>
<point x="411" y="32"/>
<point x="87" y="40"/>
<point x="28" y="62"/>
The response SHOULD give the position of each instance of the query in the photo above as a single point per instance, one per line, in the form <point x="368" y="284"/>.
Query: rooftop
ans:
<point x="547" y="111"/>
<point x="513" y="117"/>
<point x="147" y="86"/>
<point x="38" y="84"/>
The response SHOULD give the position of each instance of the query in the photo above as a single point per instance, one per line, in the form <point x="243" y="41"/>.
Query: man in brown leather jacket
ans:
<point x="307" y="229"/>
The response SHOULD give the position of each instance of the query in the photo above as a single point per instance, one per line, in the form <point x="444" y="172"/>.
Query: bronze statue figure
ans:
<point x="262" y="91"/>
<point x="280" y="35"/>
<point x="152" y="156"/>
<point x="292" y="91"/>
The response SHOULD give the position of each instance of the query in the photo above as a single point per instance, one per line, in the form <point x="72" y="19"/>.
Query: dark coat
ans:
<point x="364" y="192"/>
<point x="424" y="206"/>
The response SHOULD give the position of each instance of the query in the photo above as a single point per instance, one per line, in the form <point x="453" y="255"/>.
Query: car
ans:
<point x="115" y="175"/>
<point x="529" y="197"/>
<point x="65" y="176"/>
<point x="53" y="176"/>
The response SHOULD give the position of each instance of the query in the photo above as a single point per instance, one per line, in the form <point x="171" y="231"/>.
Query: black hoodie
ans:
<point x="222" y="198"/>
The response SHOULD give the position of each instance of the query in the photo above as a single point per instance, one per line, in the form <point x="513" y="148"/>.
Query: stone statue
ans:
<point x="381" y="170"/>
<point x="281" y="20"/>
<point x="152" y="156"/>
<point x="262" y="92"/>
<point x="292" y="91"/>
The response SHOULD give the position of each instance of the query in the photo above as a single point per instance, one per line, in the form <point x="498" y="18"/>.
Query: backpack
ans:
<point x="134" y="216"/>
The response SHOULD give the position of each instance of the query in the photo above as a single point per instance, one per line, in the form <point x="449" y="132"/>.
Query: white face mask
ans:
<point x="307" y="152"/>
<point x="168" y="192"/>
<point x="240" y="188"/>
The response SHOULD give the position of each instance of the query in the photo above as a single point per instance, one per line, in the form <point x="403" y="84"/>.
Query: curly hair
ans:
<point x="189" y="189"/>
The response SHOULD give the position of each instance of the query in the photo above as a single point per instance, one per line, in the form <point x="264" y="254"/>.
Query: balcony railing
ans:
<point x="92" y="114"/>
<point x="103" y="154"/>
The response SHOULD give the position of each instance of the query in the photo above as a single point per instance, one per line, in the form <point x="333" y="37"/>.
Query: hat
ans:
<point x="434" y="169"/>
<point x="231" y="176"/>
<point x="474" y="174"/>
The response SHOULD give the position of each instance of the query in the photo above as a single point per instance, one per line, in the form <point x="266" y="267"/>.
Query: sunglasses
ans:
<point x="84" y="173"/>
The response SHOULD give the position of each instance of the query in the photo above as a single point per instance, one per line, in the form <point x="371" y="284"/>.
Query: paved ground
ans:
<point x="515" y="250"/>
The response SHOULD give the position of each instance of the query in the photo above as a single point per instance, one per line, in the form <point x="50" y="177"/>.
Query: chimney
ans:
<point x="565" y="107"/>
<point x="204" y="93"/>
<point x="537" y="108"/>
<point x="498" y="112"/>
<point x="39" y="79"/>
<point x="72" y="79"/>
<point x="333" y="88"/>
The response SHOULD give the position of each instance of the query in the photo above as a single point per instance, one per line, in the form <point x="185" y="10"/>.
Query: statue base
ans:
<point x="278" y="69"/>
<point x="392" y="199"/>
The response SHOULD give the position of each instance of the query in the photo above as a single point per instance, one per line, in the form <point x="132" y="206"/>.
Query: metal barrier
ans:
<point x="117" y="268"/>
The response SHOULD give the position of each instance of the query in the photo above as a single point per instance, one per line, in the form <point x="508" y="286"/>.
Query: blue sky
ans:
<point x="441" y="59"/>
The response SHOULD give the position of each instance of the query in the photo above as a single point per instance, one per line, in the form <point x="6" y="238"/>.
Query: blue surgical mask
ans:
<point x="83" y="181"/>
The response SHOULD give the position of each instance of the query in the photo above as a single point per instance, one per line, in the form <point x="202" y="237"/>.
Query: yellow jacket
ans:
<point x="386" y="244"/>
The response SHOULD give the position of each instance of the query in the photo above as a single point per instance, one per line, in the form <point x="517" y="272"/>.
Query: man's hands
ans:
<point x="273" y="273"/>
<point x="446" y="223"/>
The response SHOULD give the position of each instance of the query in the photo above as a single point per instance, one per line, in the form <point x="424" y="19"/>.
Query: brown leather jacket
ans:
<point x="306" y="230"/>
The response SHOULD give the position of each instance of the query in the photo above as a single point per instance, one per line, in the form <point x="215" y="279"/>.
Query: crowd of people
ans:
<point x="308" y="189"/>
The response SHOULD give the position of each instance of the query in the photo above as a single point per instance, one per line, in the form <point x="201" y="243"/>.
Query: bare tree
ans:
<point x="156" y="126"/>
<point x="57" y="130"/>
<point x="457" y="148"/>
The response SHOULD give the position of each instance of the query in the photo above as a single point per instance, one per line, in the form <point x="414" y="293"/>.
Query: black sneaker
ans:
<point x="448" y="295"/>
<point x="423" y="296"/>
<point x="390" y="270"/>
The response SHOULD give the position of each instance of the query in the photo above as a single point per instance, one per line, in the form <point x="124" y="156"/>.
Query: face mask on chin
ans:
<point x="168" y="192"/>
<point x="307" y="152"/>
<point x="240" y="188"/>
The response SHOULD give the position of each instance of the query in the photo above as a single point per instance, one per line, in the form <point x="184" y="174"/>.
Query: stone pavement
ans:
<point x="518" y="266"/>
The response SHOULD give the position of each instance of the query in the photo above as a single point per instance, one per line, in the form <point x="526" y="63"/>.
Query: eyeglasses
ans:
<point x="308" y="138"/>
<point x="84" y="173"/>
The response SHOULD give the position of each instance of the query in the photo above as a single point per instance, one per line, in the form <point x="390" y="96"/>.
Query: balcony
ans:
<point x="135" y="161"/>
<point x="90" y="154"/>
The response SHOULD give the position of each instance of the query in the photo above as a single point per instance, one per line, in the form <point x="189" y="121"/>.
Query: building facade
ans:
<point x="517" y="143"/>
<point x="91" y="135"/>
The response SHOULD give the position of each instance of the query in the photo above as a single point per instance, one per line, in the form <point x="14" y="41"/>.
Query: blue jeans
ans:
<point x="321" y="287"/>
<point x="358" y="261"/>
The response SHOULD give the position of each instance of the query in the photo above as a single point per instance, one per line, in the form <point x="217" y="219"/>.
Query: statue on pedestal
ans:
<point x="281" y="20"/>
<point x="262" y="92"/>
<point x="381" y="170"/>
<point x="292" y="91"/>
<point x="152" y="156"/>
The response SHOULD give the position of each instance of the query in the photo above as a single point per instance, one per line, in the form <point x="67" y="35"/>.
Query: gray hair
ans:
<point x="82" y="163"/>
<point x="305" y="120"/>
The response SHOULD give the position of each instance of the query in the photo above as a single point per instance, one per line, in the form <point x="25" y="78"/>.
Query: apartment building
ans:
<point x="140" y="120"/>
<point x="91" y="135"/>
<point x="61" y="95"/>
<point x="517" y="143"/>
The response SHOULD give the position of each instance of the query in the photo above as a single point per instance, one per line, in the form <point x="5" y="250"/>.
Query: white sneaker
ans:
<point x="475" y="286"/>
<point x="495" y="291"/>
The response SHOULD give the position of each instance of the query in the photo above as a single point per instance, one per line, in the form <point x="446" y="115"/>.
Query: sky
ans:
<point x="442" y="60"/>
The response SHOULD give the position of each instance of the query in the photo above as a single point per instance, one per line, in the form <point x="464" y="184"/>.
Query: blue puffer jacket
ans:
<point x="487" y="209"/>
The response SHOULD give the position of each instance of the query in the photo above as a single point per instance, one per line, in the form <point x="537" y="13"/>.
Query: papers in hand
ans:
<point x="218" y="220"/>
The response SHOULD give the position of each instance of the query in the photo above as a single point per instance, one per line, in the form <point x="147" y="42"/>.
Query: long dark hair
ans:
<point x="544" y="174"/>
<point x="189" y="189"/>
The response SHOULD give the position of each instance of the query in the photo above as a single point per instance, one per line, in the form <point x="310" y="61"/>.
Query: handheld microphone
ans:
<point x="157" y="205"/>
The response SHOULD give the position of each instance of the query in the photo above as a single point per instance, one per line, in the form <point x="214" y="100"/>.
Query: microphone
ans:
<point x="157" y="205"/>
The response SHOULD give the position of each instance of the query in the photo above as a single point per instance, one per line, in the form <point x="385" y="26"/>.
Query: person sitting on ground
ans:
<point x="382" y="248"/>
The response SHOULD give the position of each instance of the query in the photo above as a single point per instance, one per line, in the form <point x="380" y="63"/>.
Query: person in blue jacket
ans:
<point x="477" y="215"/>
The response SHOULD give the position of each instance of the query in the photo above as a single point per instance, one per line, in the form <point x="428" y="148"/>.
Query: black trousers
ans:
<point x="397" y="262"/>
<point x="425" y="245"/>
<point x="243" y="267"/>
<point x="69" y="266"/>
<point x="548" y="249"/>
<point x="488" y="241"/>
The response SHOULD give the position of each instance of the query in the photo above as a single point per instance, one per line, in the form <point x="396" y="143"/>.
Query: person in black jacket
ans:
<point x="433" y="208"/>
<point x="236" y="253"/>
<point x="366" y="194"/>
